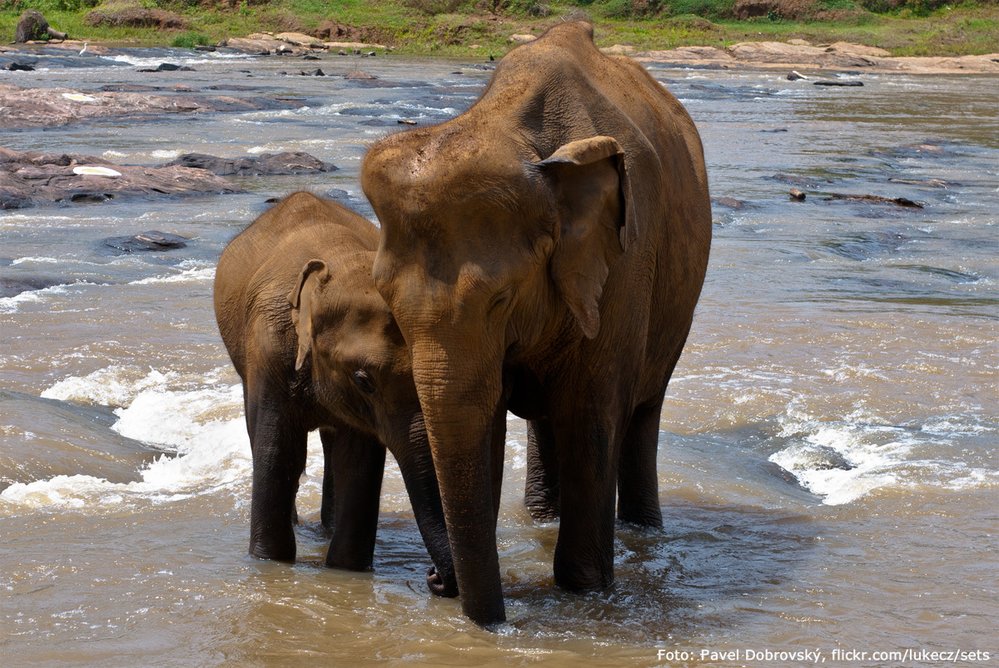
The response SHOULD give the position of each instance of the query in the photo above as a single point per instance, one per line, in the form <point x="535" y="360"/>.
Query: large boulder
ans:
<point x="32" y="179"/>
<point x="136" y="17"/>
<point x="31" y="108"/>
<point x="32" y="26"/>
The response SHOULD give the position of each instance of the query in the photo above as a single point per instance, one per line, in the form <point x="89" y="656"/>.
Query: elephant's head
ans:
<point x="491" y="255"/>
<point x="361" y="372"/>
<point x="358" y="360"/>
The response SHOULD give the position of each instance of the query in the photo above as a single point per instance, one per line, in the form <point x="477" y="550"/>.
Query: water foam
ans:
<point x="843" y="461"/>
<point x="200" y="430"/>
<point x="13" y="304"/>
<point x="111" y="386"/>
<point x="201" y="59"/>
<point x="166" y="154"/>
<point x="185" y="276"/>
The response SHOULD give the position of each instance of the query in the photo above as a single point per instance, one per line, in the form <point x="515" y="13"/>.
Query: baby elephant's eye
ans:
<point x="363" y="381"/>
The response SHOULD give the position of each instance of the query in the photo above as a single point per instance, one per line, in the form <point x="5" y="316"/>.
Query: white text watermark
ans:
<point x="820" y="656"/>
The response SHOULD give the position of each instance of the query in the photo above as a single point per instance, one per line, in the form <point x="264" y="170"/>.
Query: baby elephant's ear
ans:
<point x="303" y="298"/>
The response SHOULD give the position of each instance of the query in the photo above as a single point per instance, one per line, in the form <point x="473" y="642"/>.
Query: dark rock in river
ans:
<point x="32" y="179"/>
<point x="146" y="241"/>
<point x="265" y="164"/>
<point x="13" y="286"/>
<point x="729" y="202"/>
<point x="838" y="82"/>
<point x="167" y="67"/>
<point x="17" y="66"/>
<point x="49" y="107"/>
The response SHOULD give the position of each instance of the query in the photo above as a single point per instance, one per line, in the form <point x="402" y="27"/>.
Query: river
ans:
<point x="827" y="462"/>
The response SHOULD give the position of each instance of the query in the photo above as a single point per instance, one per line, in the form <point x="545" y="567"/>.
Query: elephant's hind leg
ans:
<point x="541" y="485"/>
<point x="638" y="481"/>
<point x="584" y="552"/>
<point x="358" y="463"/>
<point x="327" y="509"/>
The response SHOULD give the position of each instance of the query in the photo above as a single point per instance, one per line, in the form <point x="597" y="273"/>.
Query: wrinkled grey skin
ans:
<point x="317" y="348"/>
<point x="548" y="245"/>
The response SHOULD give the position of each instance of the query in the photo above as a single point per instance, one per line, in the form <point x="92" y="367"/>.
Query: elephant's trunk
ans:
<point x="460" y="394"/>
<point x="418" y="472"/>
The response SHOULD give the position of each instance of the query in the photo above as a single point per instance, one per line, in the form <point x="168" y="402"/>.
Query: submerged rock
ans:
<point x="152" y="240"/>
<point x="18" y="66"/>
<point x="266" y="164"/>
<point x="846" y="83"/>
<point x="168" y="67"/>
<point x="15" y="285"/>
<point x="729" y="202"/>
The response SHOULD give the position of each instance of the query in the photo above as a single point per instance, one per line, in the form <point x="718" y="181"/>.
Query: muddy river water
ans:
<point x="827" y="458"/>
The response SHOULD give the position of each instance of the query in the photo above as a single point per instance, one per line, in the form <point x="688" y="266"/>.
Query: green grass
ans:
<point x="964" y="29"/>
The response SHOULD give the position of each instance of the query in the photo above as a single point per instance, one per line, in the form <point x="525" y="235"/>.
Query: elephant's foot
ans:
<point x="576" y="574"/>
<point x="542" y="510"/>
<point x="647" y="519"/>
<point x="273" y="553"/>
<point x="440" y="585"/>
<point x="580" y="583"/>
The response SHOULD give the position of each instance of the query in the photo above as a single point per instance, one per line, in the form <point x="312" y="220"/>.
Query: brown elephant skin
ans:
<point x="550" y="245"/>
<point x="317" y="348"/>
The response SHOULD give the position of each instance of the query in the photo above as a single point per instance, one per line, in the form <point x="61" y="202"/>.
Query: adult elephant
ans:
<point x="317" y="348"/>
<point x="553" y="239"/>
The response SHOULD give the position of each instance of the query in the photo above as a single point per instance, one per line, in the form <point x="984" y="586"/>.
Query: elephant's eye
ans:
<point x="363" y="381"/>
<point x="500" y="300"/>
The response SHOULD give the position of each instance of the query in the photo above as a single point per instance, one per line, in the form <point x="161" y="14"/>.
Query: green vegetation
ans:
<point x="467" y="27"/>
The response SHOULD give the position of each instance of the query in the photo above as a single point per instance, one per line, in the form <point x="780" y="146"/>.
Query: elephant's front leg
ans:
<point x="638" y="480"/>
<point x="278" y="444"/>
<point x="584" y="553"/>
<point x="541" y="485"/>
<point x="358" y="463"/>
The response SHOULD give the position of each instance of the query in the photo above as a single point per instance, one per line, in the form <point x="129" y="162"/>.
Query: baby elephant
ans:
<point x="317" y="348"/>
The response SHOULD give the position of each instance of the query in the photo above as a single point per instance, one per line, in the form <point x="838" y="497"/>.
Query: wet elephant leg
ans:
<point x="327" y="509"/>
<point x="498" y="452"/>
<point x="541" y="487"/>
<point x="358" y="464"/>
<point x="584" y="553"/>
<point x="638" y="481"/>
<point x="278" y="444"/>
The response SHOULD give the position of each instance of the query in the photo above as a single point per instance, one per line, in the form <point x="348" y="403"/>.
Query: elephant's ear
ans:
<point x="593" y="194"/>
<point x="303" y="299"/>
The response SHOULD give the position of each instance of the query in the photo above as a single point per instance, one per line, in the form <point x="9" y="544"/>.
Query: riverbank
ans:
<point x="794" y="56"/>
<point x="467" y="30"/>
